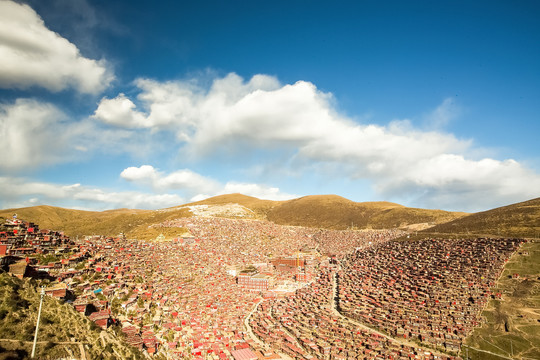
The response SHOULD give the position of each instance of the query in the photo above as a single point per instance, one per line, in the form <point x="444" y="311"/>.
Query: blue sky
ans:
<point x="108" y="104"/>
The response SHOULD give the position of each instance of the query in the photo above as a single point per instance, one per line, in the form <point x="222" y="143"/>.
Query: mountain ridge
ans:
<point x="322" y="211"/>
<point x="515" y="220"/>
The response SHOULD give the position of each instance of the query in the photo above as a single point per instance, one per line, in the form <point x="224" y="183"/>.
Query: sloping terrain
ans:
<point x="335" y="212"/>
<point x="63" y="332"/>
<point x="260" y="207"/>
<point x="512" y="326"/>
<point x="77" y="222"/>
<point x="321" y="211"/>
<point x="516" y="220"/>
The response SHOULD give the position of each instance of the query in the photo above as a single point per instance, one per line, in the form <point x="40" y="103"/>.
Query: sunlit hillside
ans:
<point x="321" y="211"/>
<point x="516" y="220"/>
<point x="335" y="212"/>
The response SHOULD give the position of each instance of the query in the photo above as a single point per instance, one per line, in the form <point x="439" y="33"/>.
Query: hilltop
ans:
<point x="516" y="220"/>
<point x="321" y="211"/>
<point x="336" y="212"/>
<point x="259" y="207"/>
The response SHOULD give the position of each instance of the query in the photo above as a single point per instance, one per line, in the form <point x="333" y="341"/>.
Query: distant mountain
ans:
<point x="324" y="211"/>
<point x="516" y="220"/>
<point x="336" y="212"/>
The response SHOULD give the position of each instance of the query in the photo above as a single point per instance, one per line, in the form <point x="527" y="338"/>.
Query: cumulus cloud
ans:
<point x="184" y="179"/>
<point x="36" y="134"/>
<point x="18" y="192"/>
<point x="197" y="186"/>
<point x="256" y="190"/>
<point x="240" y="117"/>
<point x="32" y="55"/>
<point x="450" y="179"/>
<point x="120" y="112"/>
<point x="179" y="105"/>
<point x="30" y="133"/>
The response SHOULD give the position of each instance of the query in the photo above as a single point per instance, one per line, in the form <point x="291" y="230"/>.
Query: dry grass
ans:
<point x="323" y="211"/>
<point x="60" y="324"/>
<point x="335" y="212"/>
<point x="516" y="220"/>
<point x="512" y="326"/>
<point x="77" y="222"/>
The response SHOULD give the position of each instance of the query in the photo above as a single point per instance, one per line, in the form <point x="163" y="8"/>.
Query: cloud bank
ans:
<point x="31" y="134"/>
<point x="32" y="55"/>
<point x="13" y="189"/>
<point x="403" y="162"/>
<point x="197" y="186"/>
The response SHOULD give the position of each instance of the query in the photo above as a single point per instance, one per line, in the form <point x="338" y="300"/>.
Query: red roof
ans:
<point x="244" y="354"/>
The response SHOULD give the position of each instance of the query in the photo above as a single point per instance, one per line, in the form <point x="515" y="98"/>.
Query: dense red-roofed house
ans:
<point x="244" y="354"/>
<point x="101" y="318"/>
<point x="58" y="291"/>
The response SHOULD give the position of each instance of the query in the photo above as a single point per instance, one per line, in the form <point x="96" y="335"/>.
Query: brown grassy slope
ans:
<point x="78" y="222"/>
<point x="325" y="211"/>
<point x="512" y="323"/>
<point x="336" y="212"/>
<point x="516" y="220"/>
<point x="404" y="216"/>
<point x="60" y="324"/>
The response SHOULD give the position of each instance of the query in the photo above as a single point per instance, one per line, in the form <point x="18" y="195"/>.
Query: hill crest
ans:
<point x="320" y="211"/>
<point x="516" y="220"/>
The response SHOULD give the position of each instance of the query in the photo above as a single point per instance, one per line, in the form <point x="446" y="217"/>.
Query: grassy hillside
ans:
<point x="335" y="212"/>
<point x="78" y="222"/>
<point x="512" y="327"/>
<point x="516" y="220"/>
<point x="325" y="211"/>
<point x="63" y="332"/>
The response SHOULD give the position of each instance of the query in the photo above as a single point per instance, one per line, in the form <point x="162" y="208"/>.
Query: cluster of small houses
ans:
<point x="428" y="290"/>
<point x="304" y="326"/>
<point x="193" y="296"/>
<point x="21" y="241"/>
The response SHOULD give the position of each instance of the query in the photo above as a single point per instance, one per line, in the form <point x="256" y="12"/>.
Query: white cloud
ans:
<point x="298" y="121"/>
<point x="197" y="186"/>
<point x="179" y="105"/>
<point x="32" y="55"/>
<point x="18" y="192"/>
<point x="145" y="173"/>
<point x="184" y="179"/>
<point x="120" y="112"/>
<point x="37" y="134"/>
<point x="459" y="183"/>
<point x="30" y="133"/>
<point x="256" y="190"/>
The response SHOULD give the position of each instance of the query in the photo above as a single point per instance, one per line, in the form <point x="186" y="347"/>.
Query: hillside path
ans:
<point x="79" y="343"/>
<point x="254" y="337"/>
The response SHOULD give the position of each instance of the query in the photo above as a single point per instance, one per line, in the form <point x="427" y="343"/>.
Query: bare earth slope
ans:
<point x="258" y="206"/>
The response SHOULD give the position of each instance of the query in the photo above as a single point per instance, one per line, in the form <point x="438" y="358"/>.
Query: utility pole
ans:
<point x="37" y="324"/>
